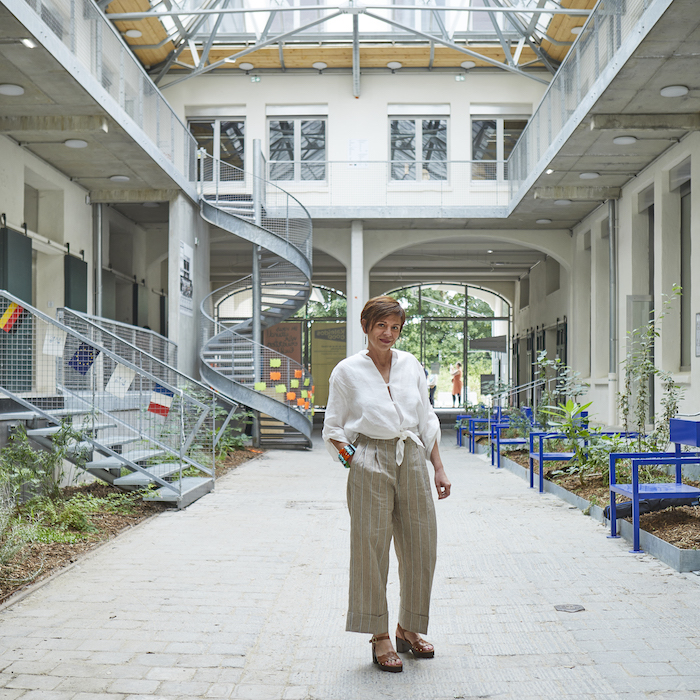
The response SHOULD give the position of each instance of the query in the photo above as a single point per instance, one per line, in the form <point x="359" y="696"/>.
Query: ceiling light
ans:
<point x="319" y="65"/>
<point x="133" y="33"/>
<point x="562" y="202"/>
<point x="228" y="59"/>
<point x="119" y="178"/>
<point x="576" y="30"/>
<point x="11" y="90"/>
<point x="150" y="205"/>
<point x="624" y="140"/>
<point x="589" y="176"/>
<point x="460" y="77"/>
<point x="674" y="91"/>
<point x="489" y="251"/>
<point x="549" y="171"/>
<point x="543" y="221"/>
<point x="468" y="64"/>
<point x="246" y="66"/>
<point x="75" y="143"/>
<point x="394" y="65"/>
<point x="28" y="43"/>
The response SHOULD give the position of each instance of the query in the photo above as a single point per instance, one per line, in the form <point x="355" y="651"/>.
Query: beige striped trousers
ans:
<point x="388" y="500"/>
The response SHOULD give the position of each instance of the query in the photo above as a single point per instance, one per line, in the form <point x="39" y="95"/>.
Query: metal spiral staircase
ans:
<point x="233" y="359"/>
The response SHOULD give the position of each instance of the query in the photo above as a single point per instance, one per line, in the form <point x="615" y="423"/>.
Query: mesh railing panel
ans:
<point x="232" y="189"/>
<point x="97" y="45"/>
<point x="612" y="22"/>
<point x="144" y="339"/>
<point x="124" y="400"/>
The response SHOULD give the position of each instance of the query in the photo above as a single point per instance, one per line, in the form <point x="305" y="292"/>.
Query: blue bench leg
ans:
<point x="635" y="510"/>
<point x="532" y="474"/>
<point x="613" y="517"/>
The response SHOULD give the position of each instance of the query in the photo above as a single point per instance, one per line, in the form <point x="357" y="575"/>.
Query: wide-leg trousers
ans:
<point x="389" y="500"/>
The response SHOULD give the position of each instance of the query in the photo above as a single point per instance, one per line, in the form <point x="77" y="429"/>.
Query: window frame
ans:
<point x="500" y="119"/>
<point x="418" y="120"/>
<point x="297" y="161"/>
<point x="216" y="137"/>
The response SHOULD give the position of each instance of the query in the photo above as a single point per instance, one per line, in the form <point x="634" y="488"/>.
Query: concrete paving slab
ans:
<point x="242" y="596"/>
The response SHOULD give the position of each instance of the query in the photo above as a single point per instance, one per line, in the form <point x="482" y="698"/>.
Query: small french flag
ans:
<point x="161" y="400"/>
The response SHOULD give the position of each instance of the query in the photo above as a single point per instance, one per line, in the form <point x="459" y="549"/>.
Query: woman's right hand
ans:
<point x="339" y="446"/>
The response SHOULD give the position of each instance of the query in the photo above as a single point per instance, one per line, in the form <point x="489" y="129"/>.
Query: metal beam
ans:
<point x="117" y="16"/>
<point x="646" y="122"/>
<point x="268" y="26"/>
<point x="504" y="44"/>
<point x="212" y="36"/>
<point x="281" y="52"/>
<point x="461" y="49"/>
<point x="355" y="56"/>
<point x="54" y="123"/>
<point x="576" y="193"/>
<point x="251" y="49"/>
<point x="126" y="196"/>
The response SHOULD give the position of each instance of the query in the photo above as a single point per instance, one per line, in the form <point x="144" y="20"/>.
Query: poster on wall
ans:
<point x="328" y="348"/>
<point x="358" y="153"/>
<point x="285" y="338"/>
<point x="186" y="296"/>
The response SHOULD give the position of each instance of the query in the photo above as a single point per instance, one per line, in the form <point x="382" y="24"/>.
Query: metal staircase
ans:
<point x="279" y="389"/>
<point x="141" y="422"/>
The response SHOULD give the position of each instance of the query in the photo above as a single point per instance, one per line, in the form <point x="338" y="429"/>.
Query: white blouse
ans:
<point x="359" y="403"/>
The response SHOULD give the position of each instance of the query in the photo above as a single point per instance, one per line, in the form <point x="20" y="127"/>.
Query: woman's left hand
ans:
<point x="442" y="484"/>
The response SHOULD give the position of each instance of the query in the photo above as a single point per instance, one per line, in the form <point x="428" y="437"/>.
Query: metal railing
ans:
<point x="100" y="49"/>
<point x="608" y="26"/>
<point x="143" y="339"/>
<point x="232" y="189"/>
<point x="126" y="402"/>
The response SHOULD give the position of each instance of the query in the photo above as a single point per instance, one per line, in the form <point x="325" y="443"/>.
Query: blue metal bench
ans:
<point x="636" y="491"/>
<point x="461" y="428"/>
<point x="543" y="456"/>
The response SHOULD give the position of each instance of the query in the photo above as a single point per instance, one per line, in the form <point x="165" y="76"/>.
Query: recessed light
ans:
<point x="589" y="176"/>
<point x="543" y="221"/>
<point x="549" y="171"/>
<point x="133" y="33"/>
<point x="576" y="30"/>
<point x="246" y="66"/>
<point x="319" y="65"/>
<point x="674" y="91"/>
<point x="119" y="178"/>
<point x="562" y="202"/>
<point x="75" y="143"/>
<point x="489" y="251"/>
<point x="11" y="90"/>
<point x="624" y="140"/>
<point x="28" y="43"/>
<point x="150" y="205"/>
<point x="394" y="65"/>
<point x="468" y="64"/>
<point x="228" y="59"/>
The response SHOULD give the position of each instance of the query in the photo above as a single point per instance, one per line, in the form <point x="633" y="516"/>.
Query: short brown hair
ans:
<point x="378" y="308"/>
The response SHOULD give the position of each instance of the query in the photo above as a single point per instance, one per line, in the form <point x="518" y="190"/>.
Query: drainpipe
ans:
<point x="258" y="184"/>
<point x="613" y="360"/>
<point x="97" y="255"/>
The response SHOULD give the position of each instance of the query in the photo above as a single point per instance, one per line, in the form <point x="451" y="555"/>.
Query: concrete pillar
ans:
<point x="184" y="325"/>
<point x="358" y="288"/>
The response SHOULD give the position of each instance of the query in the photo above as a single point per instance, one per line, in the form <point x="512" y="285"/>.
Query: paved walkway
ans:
<point x="242" y="595"/>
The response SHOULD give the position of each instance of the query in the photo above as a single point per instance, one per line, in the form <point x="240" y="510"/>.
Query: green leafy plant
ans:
<point x="568" y="419"/>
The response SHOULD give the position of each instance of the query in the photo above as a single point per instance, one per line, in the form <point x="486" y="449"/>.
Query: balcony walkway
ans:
<point x="242" y="595"/>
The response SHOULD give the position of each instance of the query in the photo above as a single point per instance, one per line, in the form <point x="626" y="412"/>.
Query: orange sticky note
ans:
<point x="291" y="395"/>
<point x="300" y="402"/>
<point x="297" y="374"/>
<point x="275" y="376"/>
<point x="313" y="388"/>
<point x="306" y="404"/>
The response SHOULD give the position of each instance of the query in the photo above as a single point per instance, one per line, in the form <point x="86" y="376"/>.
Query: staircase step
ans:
<point x="53" y="429"/>
<point x="139" y="479"/>
<point x="193" y="488"/>
<point x="116" y="463"/>
<point x="123" y="439"/>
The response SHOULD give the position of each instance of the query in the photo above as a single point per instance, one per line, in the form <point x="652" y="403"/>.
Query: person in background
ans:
<point x="380" y="424"/>
<point x="432" y="386"/>
<point x="456" y="373"/>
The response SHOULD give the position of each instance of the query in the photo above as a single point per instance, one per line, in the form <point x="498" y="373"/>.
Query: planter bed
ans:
<point x="675" y="557"/>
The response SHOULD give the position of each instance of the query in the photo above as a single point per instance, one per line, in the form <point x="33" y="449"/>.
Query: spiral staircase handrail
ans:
<point x="258" y="376"/>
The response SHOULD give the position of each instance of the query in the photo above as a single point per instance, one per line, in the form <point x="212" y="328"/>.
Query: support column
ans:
<point x="613" y="305"/>
<point x="97" y="238"/>
<point x="358" y="288"/>
<point x="258" y="184"/>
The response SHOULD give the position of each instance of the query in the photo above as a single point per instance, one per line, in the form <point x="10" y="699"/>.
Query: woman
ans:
<point x="381" y="425"/>
<point x="456" y="373"/>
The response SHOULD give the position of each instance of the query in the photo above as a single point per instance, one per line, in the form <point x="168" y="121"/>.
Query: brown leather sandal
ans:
<point x="381" y="661"/>
<point x="421" y="649"/>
